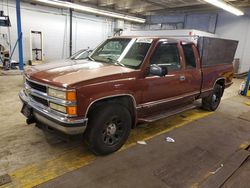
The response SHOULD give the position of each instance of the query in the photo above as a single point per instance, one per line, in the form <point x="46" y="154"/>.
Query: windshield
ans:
<point x="123" y="51"/>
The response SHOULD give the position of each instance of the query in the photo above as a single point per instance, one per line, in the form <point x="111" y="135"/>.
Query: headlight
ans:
<point x="70" y="110"/>
<point x="58" y="107"/>
<point x="65" y="95"/>
<point x="56" y="93"/>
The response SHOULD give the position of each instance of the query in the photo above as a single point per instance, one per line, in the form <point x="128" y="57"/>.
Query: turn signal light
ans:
<point x="71" y="96"/>
<point x="71" y="110"/>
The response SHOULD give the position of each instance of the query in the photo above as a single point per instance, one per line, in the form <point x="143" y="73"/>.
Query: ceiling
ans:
<point x="152" y="7"/>
<point x="149" y="7"/>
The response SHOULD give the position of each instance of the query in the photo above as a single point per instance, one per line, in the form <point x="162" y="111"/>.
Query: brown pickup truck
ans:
<point x="126" y="81"/>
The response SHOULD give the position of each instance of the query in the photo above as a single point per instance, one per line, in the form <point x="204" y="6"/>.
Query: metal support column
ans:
<point x="19" y="34"/>
<point x="70" y="31"/>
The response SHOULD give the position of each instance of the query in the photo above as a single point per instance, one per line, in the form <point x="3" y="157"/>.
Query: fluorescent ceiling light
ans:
<point x="225" y="6"/>
<point x="92" y="10"/>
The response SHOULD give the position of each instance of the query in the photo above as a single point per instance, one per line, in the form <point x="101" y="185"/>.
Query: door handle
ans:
<point x="182" y="78"/>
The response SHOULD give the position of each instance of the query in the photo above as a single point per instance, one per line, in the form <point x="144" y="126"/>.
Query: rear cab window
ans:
<point x="189" y="56"/>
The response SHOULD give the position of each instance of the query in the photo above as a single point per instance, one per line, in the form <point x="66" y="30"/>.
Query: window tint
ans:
<point x="189" y="56"/>
<point x="166" y="55"/>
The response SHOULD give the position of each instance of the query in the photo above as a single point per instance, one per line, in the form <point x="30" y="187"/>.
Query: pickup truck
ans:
<point x="126" y="81"/>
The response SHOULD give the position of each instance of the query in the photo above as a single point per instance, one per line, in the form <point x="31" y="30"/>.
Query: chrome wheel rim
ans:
<point x="113" y="131"/>
<point x="214" y="98"/>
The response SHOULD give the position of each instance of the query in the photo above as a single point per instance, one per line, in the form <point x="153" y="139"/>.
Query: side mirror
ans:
<point x="157" y="70"/>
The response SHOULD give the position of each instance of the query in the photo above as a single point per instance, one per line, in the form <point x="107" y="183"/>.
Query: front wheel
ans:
<point x="212" y="101"/>
<point x="108" y="129"/>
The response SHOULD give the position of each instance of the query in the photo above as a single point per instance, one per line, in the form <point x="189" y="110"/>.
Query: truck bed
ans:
<point x="216" y="57"/>
<point x="216" y="51"/>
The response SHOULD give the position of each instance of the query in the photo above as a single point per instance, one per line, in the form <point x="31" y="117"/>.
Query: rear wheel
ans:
<point x="212" y="101"/>
<point x="108" y="129"/>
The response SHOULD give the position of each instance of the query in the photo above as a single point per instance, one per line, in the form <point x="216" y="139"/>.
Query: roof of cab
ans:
<point x="170" y="39"/>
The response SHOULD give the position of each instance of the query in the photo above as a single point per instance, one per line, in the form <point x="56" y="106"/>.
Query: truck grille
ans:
<point x="36" y="86"/>
<point x="40" y="100"/>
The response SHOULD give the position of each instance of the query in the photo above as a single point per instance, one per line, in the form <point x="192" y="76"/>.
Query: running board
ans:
<point x="167" y="114"/>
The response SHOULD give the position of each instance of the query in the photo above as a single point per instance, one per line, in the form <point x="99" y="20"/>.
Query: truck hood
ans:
<point x="70" y="72"/>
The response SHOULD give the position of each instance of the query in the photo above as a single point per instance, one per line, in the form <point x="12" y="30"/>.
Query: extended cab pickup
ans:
<point x="125" y="81"/>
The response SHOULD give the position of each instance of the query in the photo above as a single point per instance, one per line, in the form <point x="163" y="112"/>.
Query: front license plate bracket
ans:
<point x="27" y="111"/>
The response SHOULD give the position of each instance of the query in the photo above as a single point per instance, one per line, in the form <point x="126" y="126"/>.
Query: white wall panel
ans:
<point x="236" y="28"/>
<point x="90" y="32"/>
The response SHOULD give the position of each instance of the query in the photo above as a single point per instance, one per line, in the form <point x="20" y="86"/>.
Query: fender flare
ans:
<point x="109" y="97"/>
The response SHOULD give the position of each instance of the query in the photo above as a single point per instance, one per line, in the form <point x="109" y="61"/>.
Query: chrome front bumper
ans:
<point x="42" y="114"/>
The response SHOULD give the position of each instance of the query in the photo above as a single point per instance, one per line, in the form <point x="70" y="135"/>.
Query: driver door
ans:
<point x="164" y="92"/>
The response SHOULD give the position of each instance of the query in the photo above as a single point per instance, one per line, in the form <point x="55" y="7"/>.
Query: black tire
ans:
<point x="108" y="129"/>
<point x="212" y="101"/>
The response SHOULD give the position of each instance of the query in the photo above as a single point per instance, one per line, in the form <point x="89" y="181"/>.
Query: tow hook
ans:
<point x="30" y="120"/>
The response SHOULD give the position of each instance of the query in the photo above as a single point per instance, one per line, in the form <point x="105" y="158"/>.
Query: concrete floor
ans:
<point x="32" y="157"/>
<point x="195" y="158"/>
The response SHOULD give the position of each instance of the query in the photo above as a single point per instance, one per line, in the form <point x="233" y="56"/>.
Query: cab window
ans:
<point x="189" y="56"/>
<point x="166" y="55"/>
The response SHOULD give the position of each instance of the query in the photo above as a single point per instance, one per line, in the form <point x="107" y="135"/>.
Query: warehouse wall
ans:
<point x="199" y="21"/>
<point x="236" y="28"/>
<point x="88" y="30"/>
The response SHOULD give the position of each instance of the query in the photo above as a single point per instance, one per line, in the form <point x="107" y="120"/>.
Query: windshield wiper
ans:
<point x="115" y="62"/>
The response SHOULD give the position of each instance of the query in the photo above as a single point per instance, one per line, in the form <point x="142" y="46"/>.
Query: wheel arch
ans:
<point x="126" y="100"/>
<point x="221" y="81"/>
